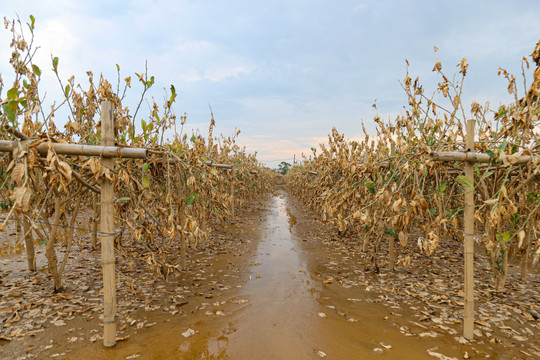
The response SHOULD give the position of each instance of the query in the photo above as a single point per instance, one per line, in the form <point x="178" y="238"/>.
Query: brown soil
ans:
<point x="276" y="283"/>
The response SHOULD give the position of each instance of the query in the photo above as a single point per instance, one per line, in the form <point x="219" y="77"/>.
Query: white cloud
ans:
<point x="285" y="71"/>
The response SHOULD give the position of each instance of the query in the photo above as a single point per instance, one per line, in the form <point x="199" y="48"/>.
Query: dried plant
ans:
<point x="171" y="198"/>
<point x="389" y="188"/>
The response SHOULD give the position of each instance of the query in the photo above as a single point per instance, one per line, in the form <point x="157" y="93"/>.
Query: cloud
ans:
<point x="284" y="71"/>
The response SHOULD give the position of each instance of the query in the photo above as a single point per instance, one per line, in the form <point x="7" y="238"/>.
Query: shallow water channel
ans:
<point x="288" y="308"/>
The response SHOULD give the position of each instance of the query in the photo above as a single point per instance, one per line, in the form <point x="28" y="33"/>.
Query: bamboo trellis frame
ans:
<point x="470" y="158"/>
<point x="107" y="152"/>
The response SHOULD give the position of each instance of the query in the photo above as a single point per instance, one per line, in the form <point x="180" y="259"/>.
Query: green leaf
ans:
<point x="32" y="22"/>
<point x="173" y="96"/>
<point x="503" y="145"/>
<point x="442" y="188"/>
<point x="13" y="93"/>
<point x="10" y="114"/>
<point x="123" y="199"/>
<point x="145" y="166"/>
<point x="491" y="154"/>
<point x="464" y="181"/>
<point x="55" y="64"/>
<point x="191" y="199"/>
<point x="66" y="91"/>
<point x="370" y="187"/>
<point x="118" y="67"/>
<point x="504" y="237"/>
<point x="43" y="242"/>
<point x="391" y="231"/>
<point x="533" y="196"/>
<point x="145" y="181"/>
<point x="13" y="105"/>
<point x="487" y="174"/>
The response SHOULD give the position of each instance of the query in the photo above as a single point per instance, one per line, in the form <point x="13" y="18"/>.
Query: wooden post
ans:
<point x="468" y="314"/>
<point x="391" y="245"/>
<point x="29" y="243"/>
<point x="232" y="195"/>
<point x="107" y="230"/>
<point x="526" y="244"/>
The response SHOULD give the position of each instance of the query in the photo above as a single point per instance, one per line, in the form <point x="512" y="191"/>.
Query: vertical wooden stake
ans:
<point x="29" y="243"/>
<point x="232" y="200"/>
<point x="391" y="245"/>
<point x="95" y="218"/>
<point x="526" y="244"/>
<point x="107" y="229"/>
<point x="183" y="240"/>
<point x="468" y="314"/>
<point x="183" y="245"/>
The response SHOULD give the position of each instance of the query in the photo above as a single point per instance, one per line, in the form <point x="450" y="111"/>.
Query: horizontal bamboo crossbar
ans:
<point x="78" y="149"/>
<point x="478" y="157"/>
<point x="219" y="166"/>
<point x="226" y="166"/>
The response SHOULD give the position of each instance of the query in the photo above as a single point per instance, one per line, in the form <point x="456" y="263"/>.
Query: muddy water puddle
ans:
<point x="287" y="306"/>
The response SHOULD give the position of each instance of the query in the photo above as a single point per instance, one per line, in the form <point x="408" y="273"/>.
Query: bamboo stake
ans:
<point x="78" y="149"/>
<point x="50" y="252"/>
<point x="391" y="246"/>
<point x="527" y="245"/>
<point x="29" y="244"/>
<point x="107" y="228"/>
<point x="232" y="197"/>
<point x="468" y="318"/>
<point x="219" y="166"/>
<point x="478" y="158"/>
<point x="183" y="243"/>
<point x="94" y="220"/>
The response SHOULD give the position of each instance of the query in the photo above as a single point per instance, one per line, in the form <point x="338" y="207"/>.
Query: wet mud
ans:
<point x="282" y="293"/>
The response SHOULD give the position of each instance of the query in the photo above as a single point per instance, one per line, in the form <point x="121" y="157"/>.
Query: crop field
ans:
<point x="119" y="228"/>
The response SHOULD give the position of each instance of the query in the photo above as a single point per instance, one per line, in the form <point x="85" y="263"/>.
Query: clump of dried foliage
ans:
<point x="389" y="189"/>
<point x="170" y="198"/>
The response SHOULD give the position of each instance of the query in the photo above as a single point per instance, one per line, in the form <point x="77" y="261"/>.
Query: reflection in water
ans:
<point x="206" y="347"/>
<point x="285" y="311"/>
<point x="280" y="319"/>
<point x="292" y="219"/>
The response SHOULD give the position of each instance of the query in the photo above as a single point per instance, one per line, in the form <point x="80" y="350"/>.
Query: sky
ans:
<point x="284" y="72"/>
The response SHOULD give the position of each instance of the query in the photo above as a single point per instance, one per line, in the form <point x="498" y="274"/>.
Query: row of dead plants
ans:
<point x="170" y="198"/>
<point x="388" y="189"/>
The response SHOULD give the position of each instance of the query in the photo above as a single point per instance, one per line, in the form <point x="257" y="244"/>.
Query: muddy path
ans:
<point x="279" y="288"/>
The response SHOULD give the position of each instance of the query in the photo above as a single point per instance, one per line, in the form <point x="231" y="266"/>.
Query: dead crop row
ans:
<point x="396" y="189"/>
